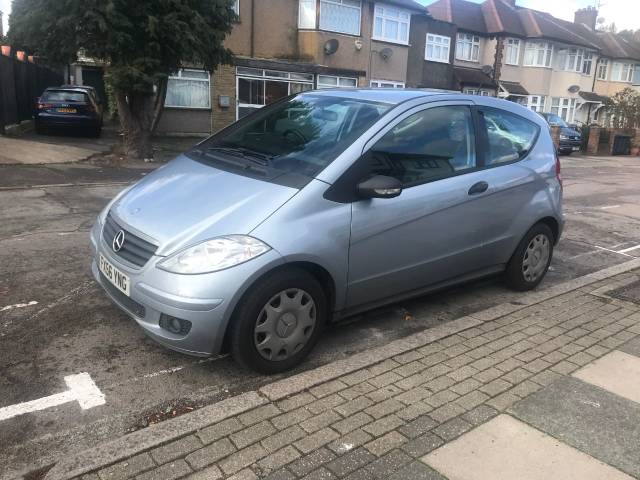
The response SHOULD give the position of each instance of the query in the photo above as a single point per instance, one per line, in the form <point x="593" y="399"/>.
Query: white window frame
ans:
<point x="618" y="72"/>
<point x="602" y="69"/>
<point x="564" y="107"/>
<point x="512" y="45"/>
<point x="587" y="60"/>
<point x="476" y="91"/>
<point x="382" y="13"/>
<point x="537" y="105"/>
<point x="570" y="59"/>
<point x="236" y="7"/>
<point x="341" y="3"/>
<point x="472" y="42"/>
<point x="301" y="24"/>
<point x="339" y="79"/>
<point x="183" y="74"/>
<point x="546" y="48"/>
<point x="265" y="75"/>
<point x="389" y="83"/>
<point x="442" y="46"/>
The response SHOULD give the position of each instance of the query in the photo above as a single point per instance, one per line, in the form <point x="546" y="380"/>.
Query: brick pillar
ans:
<point x="497" y="64"/>
<point x="223" y="84"/>
<point x="635" y="142"/>
<point x="594" y="141"/>
<point x="555" y="136"/>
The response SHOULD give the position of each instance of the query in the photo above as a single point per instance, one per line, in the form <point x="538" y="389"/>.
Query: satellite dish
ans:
<point x="331" y="46"/>
<point x="386" y="53"/>
<point x="487" y="70"/>
<point x="574" y="89"/>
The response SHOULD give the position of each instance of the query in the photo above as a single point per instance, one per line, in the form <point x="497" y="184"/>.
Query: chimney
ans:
<point x="587" y="16"/>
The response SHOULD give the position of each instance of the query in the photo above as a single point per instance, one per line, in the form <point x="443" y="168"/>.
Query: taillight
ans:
<point x="558" y="170"/>
<point x="44" y="106"/>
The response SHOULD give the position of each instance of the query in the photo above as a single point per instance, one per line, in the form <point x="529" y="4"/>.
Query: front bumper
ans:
<point x="207" y="300"/>
<point x="569" y="145"/>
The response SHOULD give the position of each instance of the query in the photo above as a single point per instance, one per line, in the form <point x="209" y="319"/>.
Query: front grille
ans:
<point x="134" y="249"/>
<point x="128" y="303"/>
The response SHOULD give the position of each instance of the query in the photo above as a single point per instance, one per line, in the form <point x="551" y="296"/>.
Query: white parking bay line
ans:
<point x="630" y="249"/>
<point x="613" y="251"/>
<point x="18" y="305"/>
<point x="81" y="389"/>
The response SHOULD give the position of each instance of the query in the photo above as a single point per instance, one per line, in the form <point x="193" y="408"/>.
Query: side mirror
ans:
<point x="380" y="186"/>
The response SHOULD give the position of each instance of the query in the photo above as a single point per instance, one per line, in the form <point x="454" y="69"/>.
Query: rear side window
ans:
<point x="510" y="137"/>
<point x="435" y="143"/>
<point x="64" y="96"/>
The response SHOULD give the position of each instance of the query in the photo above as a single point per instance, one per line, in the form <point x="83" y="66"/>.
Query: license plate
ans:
<point x="115" y="276"/>
<point x="67" y="110"/>
<point x="576" y="149"/>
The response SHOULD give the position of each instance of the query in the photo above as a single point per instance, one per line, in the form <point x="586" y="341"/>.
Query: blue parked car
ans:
<point x="72" y="108"/>
<point x="325" y="204"/>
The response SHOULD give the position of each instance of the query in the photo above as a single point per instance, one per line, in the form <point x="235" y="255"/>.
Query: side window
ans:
<point x="429" y="145"/>
<point x="510" y="137"/>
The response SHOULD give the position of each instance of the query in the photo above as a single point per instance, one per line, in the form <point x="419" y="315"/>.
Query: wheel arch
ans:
<point x="314" y="269"/>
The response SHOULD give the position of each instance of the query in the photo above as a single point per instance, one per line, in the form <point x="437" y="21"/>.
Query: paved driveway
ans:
<point x="54" y="322"/>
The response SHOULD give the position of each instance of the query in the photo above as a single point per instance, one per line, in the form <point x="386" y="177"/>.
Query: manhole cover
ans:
<point x="629" y="293"/>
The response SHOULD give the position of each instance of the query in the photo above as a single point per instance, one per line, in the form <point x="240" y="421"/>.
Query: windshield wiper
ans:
<point x="256" y="157"/>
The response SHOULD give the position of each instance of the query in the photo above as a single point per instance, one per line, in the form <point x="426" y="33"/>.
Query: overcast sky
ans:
<point x="624" y="13"/>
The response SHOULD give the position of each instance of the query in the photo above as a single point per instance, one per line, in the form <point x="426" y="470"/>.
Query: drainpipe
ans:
<point x="253" y="28"/>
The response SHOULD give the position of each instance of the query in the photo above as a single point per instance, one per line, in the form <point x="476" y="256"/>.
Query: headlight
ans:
<point x="213" y="255"/>
<point x="564" y="137"/>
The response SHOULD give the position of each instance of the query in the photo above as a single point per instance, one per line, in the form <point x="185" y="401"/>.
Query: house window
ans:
<point x="257" y="88"/>
<point x="329" y="81"/>
<point x="437" y="48"/>
<point x="563" y="107"/>
<point x="236" y="6"/>
<point x="342" y="16"/>
<point x="512" y="51"/>
<point x="536" y="102"/>
<point x="587" y="63"/>
<point x="621" y="72"/>
<point x="307" y="14"/>
<point x="391" y="24"/>
<point x="477" y="91"/>
<point x="189" y="89"/>
<point x="468" y="47"/>
<point x="386" y="84"/>
<point x="603" y="65"/>
<point x="538" y="54"/>
<point x="636" y="75"/>
<point x="570" y="59"/>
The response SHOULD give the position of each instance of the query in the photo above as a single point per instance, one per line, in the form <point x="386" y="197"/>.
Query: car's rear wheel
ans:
<point x="530" y="262"/>
<point x="278" y="322"/>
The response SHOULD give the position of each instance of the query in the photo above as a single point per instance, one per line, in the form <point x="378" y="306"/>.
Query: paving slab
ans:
<point x="589" y="418"/>
<point x="618" y="372"/>
<point x="508" y="449"/>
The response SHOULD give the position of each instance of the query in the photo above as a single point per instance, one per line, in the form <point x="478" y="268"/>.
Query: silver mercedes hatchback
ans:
<point x="325" y="204"/>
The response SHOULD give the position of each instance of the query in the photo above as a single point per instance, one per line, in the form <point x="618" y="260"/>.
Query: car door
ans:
<point x="435" y="229"/>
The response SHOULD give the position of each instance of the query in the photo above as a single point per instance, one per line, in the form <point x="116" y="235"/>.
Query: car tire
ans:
<point x="40" y="129"/>
<point x="530" y="262"/>
<point x="276" y="344"/>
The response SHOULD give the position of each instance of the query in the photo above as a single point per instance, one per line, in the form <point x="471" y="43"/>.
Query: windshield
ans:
<point x="556" y="121"/>
<point x="302" y="134"/>
<point x="63" y="96"/>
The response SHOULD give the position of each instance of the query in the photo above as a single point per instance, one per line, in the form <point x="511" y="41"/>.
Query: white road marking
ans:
<point x="609" y="206"/>
<point x="614" y="251"/>
<point x="625" y="250"/>
<point x="162" y="372"/>
<point x="18" y="305"/>
<point x="81" y="389"/>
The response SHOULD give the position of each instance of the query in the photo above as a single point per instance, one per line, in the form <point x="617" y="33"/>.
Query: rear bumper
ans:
<point x="569" y="145"/>
<point x="66" y="120"/>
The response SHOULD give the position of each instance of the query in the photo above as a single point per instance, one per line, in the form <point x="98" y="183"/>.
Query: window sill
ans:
<point x="201" y="109"/>
<point x="322" y="30"/>
<point x="468" y="61"/>
<point x="512" y="64"/>
<point x="538" y="66"/>
<point x="387" y="40"/>
<point x="437" y="60"/>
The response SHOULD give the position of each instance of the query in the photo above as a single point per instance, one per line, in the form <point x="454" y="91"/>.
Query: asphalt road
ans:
<point x="55" y="322"/>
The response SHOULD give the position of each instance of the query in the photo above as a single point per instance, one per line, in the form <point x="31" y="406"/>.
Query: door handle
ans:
<point x="479" y="187"/>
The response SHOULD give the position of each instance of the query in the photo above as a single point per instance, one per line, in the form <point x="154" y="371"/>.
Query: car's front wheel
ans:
<point x="531" y="260"/>
<point x="278" y="322"/>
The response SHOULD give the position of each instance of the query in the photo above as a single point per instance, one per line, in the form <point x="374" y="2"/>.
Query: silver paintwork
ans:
<point x="374" y="251"/>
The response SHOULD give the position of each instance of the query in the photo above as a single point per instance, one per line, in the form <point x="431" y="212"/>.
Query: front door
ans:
<point x="435" y="230"/>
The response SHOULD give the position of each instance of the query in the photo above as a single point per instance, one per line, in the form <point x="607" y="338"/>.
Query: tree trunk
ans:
<point x="136" y="118"/>
<point x="158" y="106"/>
